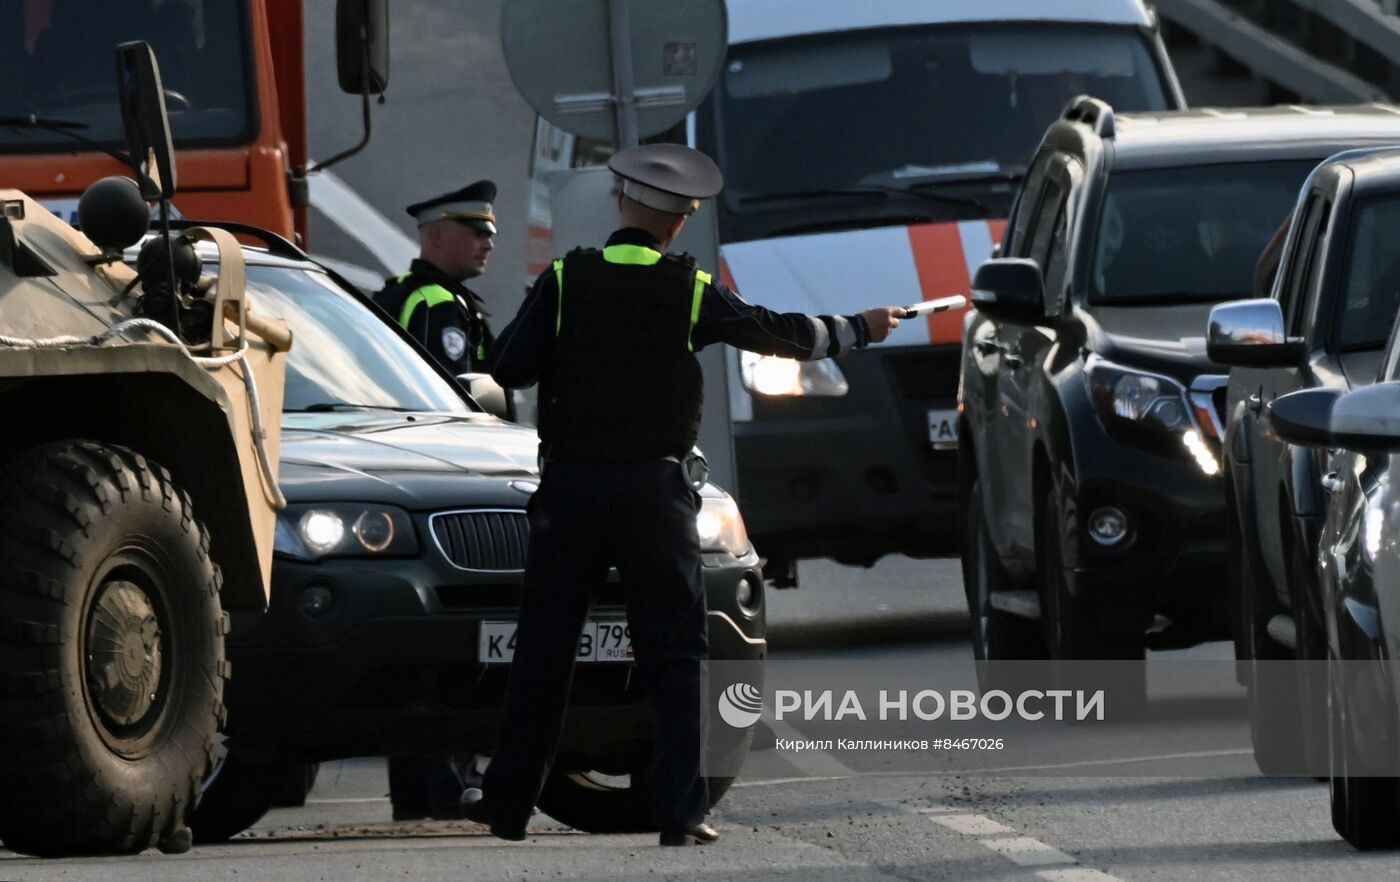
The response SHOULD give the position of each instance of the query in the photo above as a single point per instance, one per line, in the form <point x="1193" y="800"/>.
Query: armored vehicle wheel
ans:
<point x="111" y="652"/>
<point x="238" y="793"/>
<point x="596" y="802"/>
<point x="996" y="635"/>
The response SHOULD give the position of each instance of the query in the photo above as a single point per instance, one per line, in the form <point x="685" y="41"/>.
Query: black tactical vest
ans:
<point x="620" y="382"/>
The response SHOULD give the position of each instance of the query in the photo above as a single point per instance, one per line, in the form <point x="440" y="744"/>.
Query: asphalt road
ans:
<point x="1132" y="803"/>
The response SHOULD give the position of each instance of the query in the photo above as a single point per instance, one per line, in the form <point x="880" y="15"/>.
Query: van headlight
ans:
<point x="309" y="532"/>
<point x="721" y="527"/>
<point x="771" y="375"/>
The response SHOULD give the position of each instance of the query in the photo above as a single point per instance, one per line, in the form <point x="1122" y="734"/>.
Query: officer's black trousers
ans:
<point x="586" y="516"/>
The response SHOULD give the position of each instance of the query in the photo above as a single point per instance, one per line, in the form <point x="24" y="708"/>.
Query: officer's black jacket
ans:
<point x="460" y="321"/>
<point x="520" y="351"/>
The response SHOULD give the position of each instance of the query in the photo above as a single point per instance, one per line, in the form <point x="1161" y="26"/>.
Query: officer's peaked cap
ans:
<point x="470" y="205"/>
<point x="667" y="177"/>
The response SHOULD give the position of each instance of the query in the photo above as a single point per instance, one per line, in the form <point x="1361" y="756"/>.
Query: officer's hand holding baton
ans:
<point x="884" y="319"/>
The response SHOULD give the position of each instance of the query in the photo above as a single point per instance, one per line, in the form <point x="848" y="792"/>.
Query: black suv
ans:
<point x="1091" y="417"/>
<point x="397" y="569"/>
<point x="1334" y="302"/>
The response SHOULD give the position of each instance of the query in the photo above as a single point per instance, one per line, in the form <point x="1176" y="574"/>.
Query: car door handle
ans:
<point x="1014" y="361"/>
<point x="1331" y="483"/>
<point x="1255" y="402"/>
<point x="987" y="347"/>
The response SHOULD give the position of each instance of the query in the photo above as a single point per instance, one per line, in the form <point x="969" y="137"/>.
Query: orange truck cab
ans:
<point x="233" y="78"/>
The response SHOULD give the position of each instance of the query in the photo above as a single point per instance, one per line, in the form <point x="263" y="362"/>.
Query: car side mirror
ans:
<point x="1010" y="289"/>
<point x="489" y="394"/>
<point x="1365" y="419"/>
<point x="1250" y="333"/>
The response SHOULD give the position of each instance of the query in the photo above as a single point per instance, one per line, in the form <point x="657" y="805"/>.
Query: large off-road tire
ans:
<point x="598" y="803"/>
<point x="238" y="793"/>
<point x="997" y="636"/>
<point x="111" y="652"/>
<point x="1072" y="634"/>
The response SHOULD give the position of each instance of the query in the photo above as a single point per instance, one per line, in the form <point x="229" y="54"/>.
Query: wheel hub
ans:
<point x="123" y="653"/>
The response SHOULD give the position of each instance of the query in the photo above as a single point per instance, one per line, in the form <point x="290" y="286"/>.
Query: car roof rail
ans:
<point x="1093" y="112"/>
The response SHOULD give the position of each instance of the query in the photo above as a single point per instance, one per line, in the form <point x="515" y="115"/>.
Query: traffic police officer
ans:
<point x="610" y="336"/>
<point x="430" y="302"/>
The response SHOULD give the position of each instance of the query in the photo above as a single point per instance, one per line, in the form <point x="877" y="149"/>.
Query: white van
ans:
<point x="870" y="154"/>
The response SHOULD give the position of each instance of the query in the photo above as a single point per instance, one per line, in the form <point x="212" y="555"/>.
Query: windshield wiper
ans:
<point x="871" y="191"/>
<point x="65" y="127"/>
<point x="332" y="406"/>
<point x="1157" y="298"/>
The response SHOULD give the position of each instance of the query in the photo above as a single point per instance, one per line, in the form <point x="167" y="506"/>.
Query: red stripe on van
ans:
<point x="998" y="228"/>
<point x="938" y="257"/>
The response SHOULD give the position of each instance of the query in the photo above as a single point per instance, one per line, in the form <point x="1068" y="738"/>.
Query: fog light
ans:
<point x="1108" y="526"/>
<point x="316" y="600"/>
<point x="748" y="594"/>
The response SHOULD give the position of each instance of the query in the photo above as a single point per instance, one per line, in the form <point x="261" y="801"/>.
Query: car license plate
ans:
<point x="602" y="640"/>
<point x="943" y="429"/>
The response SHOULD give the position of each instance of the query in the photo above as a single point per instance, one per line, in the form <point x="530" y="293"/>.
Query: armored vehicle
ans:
<point x="138" y="500"/>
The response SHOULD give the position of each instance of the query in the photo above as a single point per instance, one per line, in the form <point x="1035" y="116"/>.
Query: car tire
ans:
<point x="996" y="635"/>
<point x="592" y="802"/>
<point x="112" y="663"/>
<point x="1363" y="806"/>
<point x="1071" y="632"/>
<point x="237" y="794"/>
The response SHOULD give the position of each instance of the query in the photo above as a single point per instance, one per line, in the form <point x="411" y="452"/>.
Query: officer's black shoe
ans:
<point x="700" y="834"/>
<point x="474" y="809"/>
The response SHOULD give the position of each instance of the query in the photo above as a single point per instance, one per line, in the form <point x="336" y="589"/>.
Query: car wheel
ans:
<point x="112" y="655"/>
<point x="1071" y="633"/>
<point x="1363" y="806"/>
<point x="596" y="801"/>
<point x="238" y="793"/>
<point x="996" y="635"/>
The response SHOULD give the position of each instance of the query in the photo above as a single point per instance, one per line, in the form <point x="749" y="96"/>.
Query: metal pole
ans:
<point x="624" y="85"/>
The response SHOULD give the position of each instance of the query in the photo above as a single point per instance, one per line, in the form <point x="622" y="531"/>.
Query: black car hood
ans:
<point x="1169" y="339"/>
<point x="416" y="461"/>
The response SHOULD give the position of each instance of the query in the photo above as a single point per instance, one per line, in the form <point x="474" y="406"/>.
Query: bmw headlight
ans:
<point x="771" y="375"/>
<point x="309" y="532"/>
<point x="721" y="527"/>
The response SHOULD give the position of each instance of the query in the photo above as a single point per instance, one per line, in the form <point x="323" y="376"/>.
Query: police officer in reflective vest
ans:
<point x="430" y="302"/>
<point x="611" y="338"/>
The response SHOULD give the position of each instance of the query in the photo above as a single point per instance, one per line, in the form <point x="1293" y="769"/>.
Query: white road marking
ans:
<point x="360" y="221"/>
<point x="773" y="782"/>
<point x="1026" y="852"/>
<point x="1123" y="761"/>
<point x="1076" y="874"/>
<point x="971" y="825"/>
<point x="343" y="800"/>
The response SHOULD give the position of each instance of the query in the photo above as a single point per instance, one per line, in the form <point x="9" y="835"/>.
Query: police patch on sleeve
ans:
<point x="454" y="342"/>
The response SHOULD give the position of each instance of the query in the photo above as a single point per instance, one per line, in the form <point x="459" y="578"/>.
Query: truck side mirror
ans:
<point x="1250" y="333"/>
<point x="362" y="46"/>
<point x="144" y="120"/>
<point x="489" y="394"/>
<point x="1010" y="289"/>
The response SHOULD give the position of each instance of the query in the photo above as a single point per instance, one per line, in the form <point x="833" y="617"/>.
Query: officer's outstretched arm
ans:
<point x="725" y="317"/>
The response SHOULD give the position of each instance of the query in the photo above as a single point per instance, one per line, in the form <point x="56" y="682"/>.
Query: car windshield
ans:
<point x="1372" y="271"/>
<point x="58" y="65"/>
<point x="343" y="356"/>
<point x="1191" y="233"/>
<point x="940" y="107"/>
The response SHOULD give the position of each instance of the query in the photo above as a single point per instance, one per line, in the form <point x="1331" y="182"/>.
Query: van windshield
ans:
<point x="57" y="62"/>
<point x="1194" y="233"/>
<point x="908" y="118"/>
